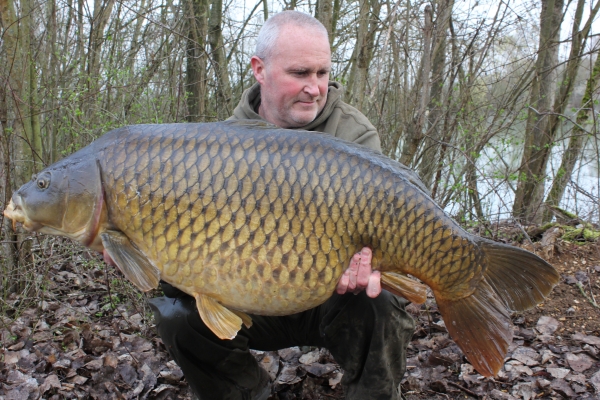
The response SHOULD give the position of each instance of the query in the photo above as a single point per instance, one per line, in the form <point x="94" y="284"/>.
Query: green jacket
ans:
<point x="337" y="118"/>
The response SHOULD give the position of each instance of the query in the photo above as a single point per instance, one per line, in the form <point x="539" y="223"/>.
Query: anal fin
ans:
<point x="246" y="319"/>
<point x="131" y="261"/>
<point x="223" y="322"/>
<point x="403" y="286"/>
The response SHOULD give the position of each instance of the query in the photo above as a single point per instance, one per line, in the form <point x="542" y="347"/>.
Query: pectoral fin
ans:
<point x="222" y="321"/>
<point x="403" y="286"/>
<point x="134" y="265"/>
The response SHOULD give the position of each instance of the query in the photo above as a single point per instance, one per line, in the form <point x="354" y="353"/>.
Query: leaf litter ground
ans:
<point x="88" y="334"/>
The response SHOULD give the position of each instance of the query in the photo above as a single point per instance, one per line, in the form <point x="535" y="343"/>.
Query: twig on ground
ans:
<point x="592" y="301"/>
<point x="590" y="286"/>
<point x="464" y="389"/>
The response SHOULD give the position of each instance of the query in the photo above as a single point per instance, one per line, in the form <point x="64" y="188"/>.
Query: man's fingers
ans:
<point x="353" y="271"/>
<point x="342" y="285"/>
<point x="364" y="268"/>
<point x="374" y="286"/>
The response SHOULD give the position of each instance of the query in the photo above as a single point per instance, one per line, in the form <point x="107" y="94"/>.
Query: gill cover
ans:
<point x="65" y="199"/>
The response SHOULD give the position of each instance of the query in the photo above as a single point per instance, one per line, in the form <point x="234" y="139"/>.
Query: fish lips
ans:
<point x="14" y="211"/>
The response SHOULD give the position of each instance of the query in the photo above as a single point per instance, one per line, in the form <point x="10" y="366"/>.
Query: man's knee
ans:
<point x="172" y="316"/>
<point x="384" y="307"/>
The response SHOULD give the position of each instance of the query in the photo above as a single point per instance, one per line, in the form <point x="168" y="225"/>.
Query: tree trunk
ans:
<point x="265" y="10"/>
<point x="102" y="11"/>
<point x="17" y="119"/>
<point x="538" y="141"/>
<point x="436" y="102"/>
<point x="368" y="24"/>
<point x="324" y="13"/>
<point x="196" y="59"/>
<point x="219" y="61"/>
<point x="8" y="250"/>
<point x="575" y="146"/>
<point x="414" y="131"/>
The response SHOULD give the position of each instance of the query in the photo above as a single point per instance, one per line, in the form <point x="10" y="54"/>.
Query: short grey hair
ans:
<point x="269" y="32"/>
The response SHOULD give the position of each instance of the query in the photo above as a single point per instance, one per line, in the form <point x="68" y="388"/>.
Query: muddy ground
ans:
<point x="83" y="332"/>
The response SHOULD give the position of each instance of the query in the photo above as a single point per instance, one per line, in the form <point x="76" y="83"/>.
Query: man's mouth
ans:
<point x="307" y="103"/>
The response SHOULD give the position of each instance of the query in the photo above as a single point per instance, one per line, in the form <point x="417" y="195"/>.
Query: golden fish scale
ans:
<point x="266" y="221"/>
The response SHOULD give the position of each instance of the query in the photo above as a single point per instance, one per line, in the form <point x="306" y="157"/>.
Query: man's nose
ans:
<point x="312" y="87"/>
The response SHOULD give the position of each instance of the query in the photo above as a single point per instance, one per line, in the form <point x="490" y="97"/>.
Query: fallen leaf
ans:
<point x="547" y="325"/>
<point x="270" y="362"/>
<point x="593" y="340"/>
<point x="78" y="380"/>
<point x="499" y="395"/>
<point x="288" y="375"/>
<point x="50" y="382"/>
<point x="290" y="353"/>
<point x="562" y="387"/>
<point x="14" y="377"/>
<point x="526" y="355"/>
<point x="310" y="357"/>
<point x="558" y="373"/>
<point x="523" y="391"/>
<point x="111" y="360"/>
<point x="579" y="378"/>
<point x="579" y="362"/>
<point x="335" y="379"/>
<point x="94" y="365"/>
<point x="319" y="370"/>
<point x="547" y="355"/>
<point x="17" y="346"/>
<point x="595" y="381"/>
<point x="11" y="357"/>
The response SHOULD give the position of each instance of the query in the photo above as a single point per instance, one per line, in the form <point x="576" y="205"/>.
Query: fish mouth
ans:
<point x="14" y="211"/>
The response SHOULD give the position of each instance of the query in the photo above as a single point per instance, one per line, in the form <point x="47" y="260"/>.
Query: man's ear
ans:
<point x="258" y="68"/>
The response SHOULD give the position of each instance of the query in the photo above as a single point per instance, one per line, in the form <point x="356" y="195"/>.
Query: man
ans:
<point x="366" y="330"/>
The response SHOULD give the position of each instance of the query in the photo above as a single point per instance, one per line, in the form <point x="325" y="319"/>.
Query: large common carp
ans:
<point x="248" y="218"/>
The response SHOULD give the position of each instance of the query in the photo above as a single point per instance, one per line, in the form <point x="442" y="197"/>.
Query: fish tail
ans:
<point x="514" y="280"/>
<point x="520" y="278"/>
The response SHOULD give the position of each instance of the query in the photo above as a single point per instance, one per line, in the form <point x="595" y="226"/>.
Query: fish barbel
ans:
<point x="249" y="218"/>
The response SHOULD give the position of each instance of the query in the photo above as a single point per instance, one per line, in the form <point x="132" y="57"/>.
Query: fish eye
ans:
<point x="43" y="183"/>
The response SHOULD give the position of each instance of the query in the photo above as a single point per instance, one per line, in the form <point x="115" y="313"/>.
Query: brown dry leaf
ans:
<point x="50" y="382"/>
<point x="593" y="340"/>
<point x="595" y="381"/>
<point x="547" y="325"/>
<point x="562" y="387"/>
<point x="579" y="362"/>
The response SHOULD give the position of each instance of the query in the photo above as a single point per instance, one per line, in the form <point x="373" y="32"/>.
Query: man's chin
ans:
<point x="304" y="118"/>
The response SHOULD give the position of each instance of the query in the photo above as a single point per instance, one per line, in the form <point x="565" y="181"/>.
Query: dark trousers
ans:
<point x="367" y="337"/>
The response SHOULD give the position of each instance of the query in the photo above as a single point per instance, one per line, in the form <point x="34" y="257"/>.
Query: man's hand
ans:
<point x="359" y="276"/>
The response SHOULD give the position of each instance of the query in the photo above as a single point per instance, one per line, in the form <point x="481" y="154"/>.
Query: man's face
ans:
<point x="294" y="78"/>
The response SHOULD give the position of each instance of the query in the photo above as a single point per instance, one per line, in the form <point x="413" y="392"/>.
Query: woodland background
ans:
<point x="493" y="103"/>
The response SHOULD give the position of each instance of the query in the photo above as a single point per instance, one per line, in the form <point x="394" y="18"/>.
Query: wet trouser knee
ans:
<point x="367" y="337"/>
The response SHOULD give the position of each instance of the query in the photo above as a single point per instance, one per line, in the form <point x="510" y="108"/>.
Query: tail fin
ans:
<point x="520" y="278"/>
<point x="480" y="323"/>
